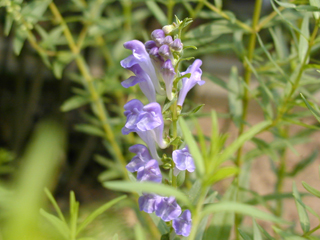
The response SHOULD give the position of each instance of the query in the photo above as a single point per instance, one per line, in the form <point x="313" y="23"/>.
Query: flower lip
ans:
<point x="167" y="208"/>
<point x="150" y="172"/>
<point x="182" y="225"/>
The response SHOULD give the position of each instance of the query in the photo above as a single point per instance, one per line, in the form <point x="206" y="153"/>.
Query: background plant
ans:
<point x="82" y="41"/>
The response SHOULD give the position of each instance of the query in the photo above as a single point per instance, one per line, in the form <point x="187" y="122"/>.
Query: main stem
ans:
<point x="246" y="97"/>
<point x="98" y="106"/>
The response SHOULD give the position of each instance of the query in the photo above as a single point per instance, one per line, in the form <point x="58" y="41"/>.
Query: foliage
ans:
<point x="278" y="54"/>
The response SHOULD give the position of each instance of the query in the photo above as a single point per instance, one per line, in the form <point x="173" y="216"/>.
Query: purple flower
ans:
<point x="188" y="83"/>
<point x="164" y="51"/>
<point x="150" y="172"/>
<point x="183" y="160"/>
<point x="141" y="57"/>
<point x="167" y="208"/>
<point x="144" y="81"/>
<point x="158" y="36"/>
<point x="138" y="161"/>
<point x="182" y="225"/>
<point x="147" y="202"/>
<point x="176" y="45"/>
<point x="147" y="122"/>
<point x="149" y="45"/>
<point x="168" y="74"/>
<point x="167" y="40"/>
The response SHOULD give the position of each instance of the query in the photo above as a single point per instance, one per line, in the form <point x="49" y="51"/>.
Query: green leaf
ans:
<point x="217" y="81"/>
<point x="63" y="58"/>
<point x="286" y="5"/>
<point x="8" y="24"/>
<point x="270" y="57"/>
<point x="303" y="215"/>
<point x="90" y="129"/>
<point x="109" y="175"/>
<point x="73" y="103"/>
<point x="303" y="164"/>
<point x="115" y="237"/>
<point x="180" y="178"/>
<point x="193" y="148"/>
<point x="315" y="3"/>
<point x="313" y="111"/>
<point x="195" y="191"/>
<point x="256" y="231"/>
<point x="55" y="204"/>
<point x="33" y="11"/>
<point x="311" y="190"/>
<point x="303" y="40"/>
<point x="193" y="111"/>
<point x="59" y="225"/>
<point x="157" y="12"/>
<point x="222" y="173"/>
<point x="222" y="222"/>
<point x="18" y="41"/>
<point x="148" y="187"/>
<point x="244" y="235"/>
<point x="218" y="4"/>
<point x="233" y="147"/>
<point x="139" y="232"/>
<point x="307" y="8"/>
<point x="74" y="212"/>
<point x="240" y="208"/>
<point x="234" y="97"/>
<point x="212" y="30"/>
<point x="284" y="18"/>
<point x="98" y="212"/>
<point x="168" y="104"/>
<point x="279" y="42"/>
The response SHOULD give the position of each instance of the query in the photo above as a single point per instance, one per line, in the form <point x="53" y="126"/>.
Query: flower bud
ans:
<point x="167" y="40"/>
<point x="149" y="45"/>
<point x="177" y="45"/>
<point x="169" y="28"/>
<point x="158" y="36"/>
<point x="164" y="51"/>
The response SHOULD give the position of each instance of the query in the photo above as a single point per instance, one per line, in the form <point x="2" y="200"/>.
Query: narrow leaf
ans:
<point x="240" y="208"/>
<point x="148" y="187"/>
<point x="311" y="190"/>
<point x="233" y="147"/>
<point x="98" y="212"/>
<point x="59" y="225"/>
<point x="303" y="215"/>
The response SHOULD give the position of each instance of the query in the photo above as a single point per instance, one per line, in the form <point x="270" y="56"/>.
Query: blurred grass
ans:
<point x="38" y="170"/>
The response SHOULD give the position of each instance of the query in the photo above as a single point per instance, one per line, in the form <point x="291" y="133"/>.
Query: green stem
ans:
<point x="174" y="135"/>
<point x="224" y="15"/>
<point x="170" y="5"/>
<point x="196" y="214"/>
<point x="245" y="100"/>
<point x="311" y="231"/>
<point x="127" y="13"/>
<point x="97" y="102"/>
<point x="281" y="176"/>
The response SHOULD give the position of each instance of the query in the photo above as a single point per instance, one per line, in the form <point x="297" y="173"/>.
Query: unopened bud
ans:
<point x="167" y="40"/>
<point x="169" y="28"/>
<point x="158" y="36"/>
<point x="177" y="45"/>
<point x="149" y="45"/>
<point x="164" y="51"/>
